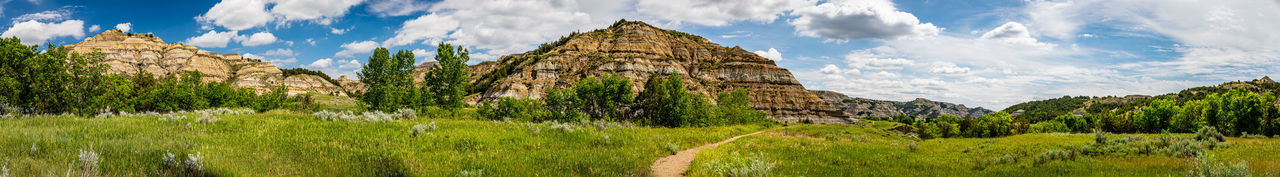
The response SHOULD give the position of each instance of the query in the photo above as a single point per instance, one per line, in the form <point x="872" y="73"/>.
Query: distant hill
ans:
<point x="919" y="108"/>
<point x="1041" y="110"/>
<point x="130" y="54"/>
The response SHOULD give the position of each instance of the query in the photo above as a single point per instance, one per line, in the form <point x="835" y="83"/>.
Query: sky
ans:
<point x="990" y="54"/>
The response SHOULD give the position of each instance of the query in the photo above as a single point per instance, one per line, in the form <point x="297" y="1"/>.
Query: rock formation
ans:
<point x="134" y="53"/>
<point x="918" y="108"/>
<point x="637" y="51"/>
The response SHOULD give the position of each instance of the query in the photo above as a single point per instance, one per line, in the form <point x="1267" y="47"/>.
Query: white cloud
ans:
<point x="353" y="48"/>
<point x="338" y="31"/>
<point x="335" y="68"/>
<point x="318" y="11"/>
<point x="238" y="14"/>
<point x="281" y="52"/>
<point x="866" y="59"/>
<point x="510" y="26"/>
<point x="257" y="39"/>
<point x="124" y="27"/>
<point x="426" y="29"/>
<point x="311" y="41"/>
<point x="322" y="63"/>
<point x="947" y="68"/>
<point x="94" y="28"/>
<point x="718" y="12"/>
<point x="424" y="55"/>
<point x="396" y="7"/>
<point x="36" y="33"/>
<point x="46" y="16"/>
<point x="212" y="39"/>
<point x="859" y="19"/>
<point x="1014" y="33"/>
<point x="772" y="54"/>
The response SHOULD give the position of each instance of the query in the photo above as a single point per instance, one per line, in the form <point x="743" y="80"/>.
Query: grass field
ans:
<point x="856" y="150"/>
<point x="283" y="143"/>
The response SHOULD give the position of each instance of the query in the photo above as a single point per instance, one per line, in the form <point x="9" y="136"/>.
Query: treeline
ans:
<point x="1234" y="112"/>
<point x="665" y="101"/>
<point x="56" y="81"/>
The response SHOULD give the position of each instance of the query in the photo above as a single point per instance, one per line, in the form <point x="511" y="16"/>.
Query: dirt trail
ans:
<point x="675" y="165"/>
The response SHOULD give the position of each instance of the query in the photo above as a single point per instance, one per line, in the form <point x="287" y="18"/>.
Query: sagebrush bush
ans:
<point x="168" y="117"/>
<point x="738" y="166"/>
<point x="422" y="129"/>
<point x="1208" y="133"/>
<point x="1055" y="155"/>
<point x="673" y="148"/>
<point x="1209" y="166"/>
<point x="206" y="118"/>
<point x="371" y="116"/>
<point x="406" y="114"/>
<point x="190" y="166"/>
<point x="471" y="173"/>
<point x="88" y="162"/>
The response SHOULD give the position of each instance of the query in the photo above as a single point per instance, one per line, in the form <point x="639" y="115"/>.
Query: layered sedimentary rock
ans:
<point x="919" y="108"/>
<point x="639" y="51"/>
<point x="131" y="54"/>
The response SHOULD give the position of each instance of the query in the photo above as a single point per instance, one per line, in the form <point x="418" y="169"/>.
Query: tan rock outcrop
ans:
<point x="134" y="53"/>
<point x="637" y="50"/>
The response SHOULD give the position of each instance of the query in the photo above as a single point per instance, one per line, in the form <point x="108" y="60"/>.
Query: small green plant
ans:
<point x="672" y="148"/>
<point x="471" y="173"/>
<point x="1209" y="133"/>
<point x="206" y="118"/>
<point x="175" y="166"/>
<point x="88" y="162"/>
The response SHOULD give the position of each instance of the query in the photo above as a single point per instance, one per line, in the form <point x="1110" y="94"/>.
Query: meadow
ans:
<point x="871" y="150"/>
<point x="287" y="143"/>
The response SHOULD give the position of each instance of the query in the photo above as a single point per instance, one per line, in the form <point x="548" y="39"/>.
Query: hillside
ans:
<point x="919" y="108"/>
<point x="1040" y="110"/>
<point x="638" y="51"/>
<point x="130" y="54"/>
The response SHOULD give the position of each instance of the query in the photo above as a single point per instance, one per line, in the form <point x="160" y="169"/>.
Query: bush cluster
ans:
<point x="369" y="116"/>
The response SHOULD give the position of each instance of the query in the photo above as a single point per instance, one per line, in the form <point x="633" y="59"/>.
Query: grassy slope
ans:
<point x="805" y="150"/>
<point x="292" y="144"/>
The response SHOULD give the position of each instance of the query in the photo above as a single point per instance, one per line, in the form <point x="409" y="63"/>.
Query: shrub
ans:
<point x="422" y="129"/>
<point x="406" y="114"/>
<point x="735" y="108"/>
<point x="1055" y="155"/>
<point x="735" y="166"/>
<point x="1053" y="126"/>
<point x="1184" y="149"/>
<point x="205" y="118"/>
<point x="1209" y="133"/>
<point x="471" y="173"/>
<point x="1155" y="116"/>
<point x="191" y="166"/>
<point x="1209" y="166"/>
<point x="168" y="117"/>
<point x="88" y="162"/>
<point x="672" y="148"/>
<point x="604" y="97"/>
<point x="507" y="108"/>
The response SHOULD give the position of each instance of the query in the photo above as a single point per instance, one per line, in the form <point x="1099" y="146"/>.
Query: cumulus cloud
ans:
<point x="318" y="11"/>
<point x="396" y="7"/>
<point x="426" y="29"/>
<point x="424" y="55"/>
<point x="335" y="68"/>
<point x="94" y="28"/>
<point x="865" y="59"/>
<point x="771" y="54"/>
<point x="238" y="14"/>
<point x="859" y="19"/>
<point x="353" y="48"/>
<point x="46" y="16"/>
<point x="947" y="68"/>
<point x="718" y="12"/>
<point x="281" y="52"/>
<point x="33" y="32"/>
<point x="510" y="26"/>
<point x="212" y="39"/>
<point x="338" y="31"/>
<point x="124" y="27"/>
<point x="321" y="63"/>
<point x="257" y="39"/>
<point x="1015" y="33"/>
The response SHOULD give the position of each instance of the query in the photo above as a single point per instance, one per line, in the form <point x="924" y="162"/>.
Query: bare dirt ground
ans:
<point x="675" y="165"/>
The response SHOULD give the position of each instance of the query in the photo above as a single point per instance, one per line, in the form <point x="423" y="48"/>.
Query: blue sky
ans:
<point x="979" y="53"/>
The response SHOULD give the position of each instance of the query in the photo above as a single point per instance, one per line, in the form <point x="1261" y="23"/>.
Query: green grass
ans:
<point x="869" y="150"/>
<point x="282" y="143"/>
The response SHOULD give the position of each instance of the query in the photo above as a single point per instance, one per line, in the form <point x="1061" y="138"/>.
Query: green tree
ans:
<point x="993" y="125"/>
<point x="449" y="81"/>
<point x="1237" y="111"/>
<point x="604" y="98"/>
<point x="388" y="80"/>
<point x="1078" y="124"/>
<point x="1155" y="117"/>
<point x="561" y="106"/>
<point x="1186" y="121"/>
<point x="665" y="102"/>
<point x="1052" y="126"/>
<point x="735" y="108"/>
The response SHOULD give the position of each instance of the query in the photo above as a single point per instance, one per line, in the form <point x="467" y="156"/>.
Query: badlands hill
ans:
<point x="918" y="108"/>
<point x="131" y="54"/>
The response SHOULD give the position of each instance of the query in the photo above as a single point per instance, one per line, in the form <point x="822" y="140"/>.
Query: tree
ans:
<point x="388" y="79"/>
<point x="1155" y="117"/>
<point x="944" y="126"/>
<point x="1078" y="124"/>
<point x="507" y="108"/>
<point x="449" y="81"/>
<point x="560" y="106"/>
<point x="1186" y="121"/>
<point x="1052" y="126"/>
<point x="604" y="98"/>
<point x="735" y="108"/>
<point x="1237" y="111"/>
<point x="665" y="102"/>
<point x="993" y="125"/>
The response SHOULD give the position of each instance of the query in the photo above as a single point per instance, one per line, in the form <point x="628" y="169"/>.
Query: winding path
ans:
<point x="675" y="165"/>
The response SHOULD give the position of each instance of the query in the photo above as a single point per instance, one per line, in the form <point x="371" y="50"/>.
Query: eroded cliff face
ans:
<point x="637" y="51"/>
<point x="131" y="54"/>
